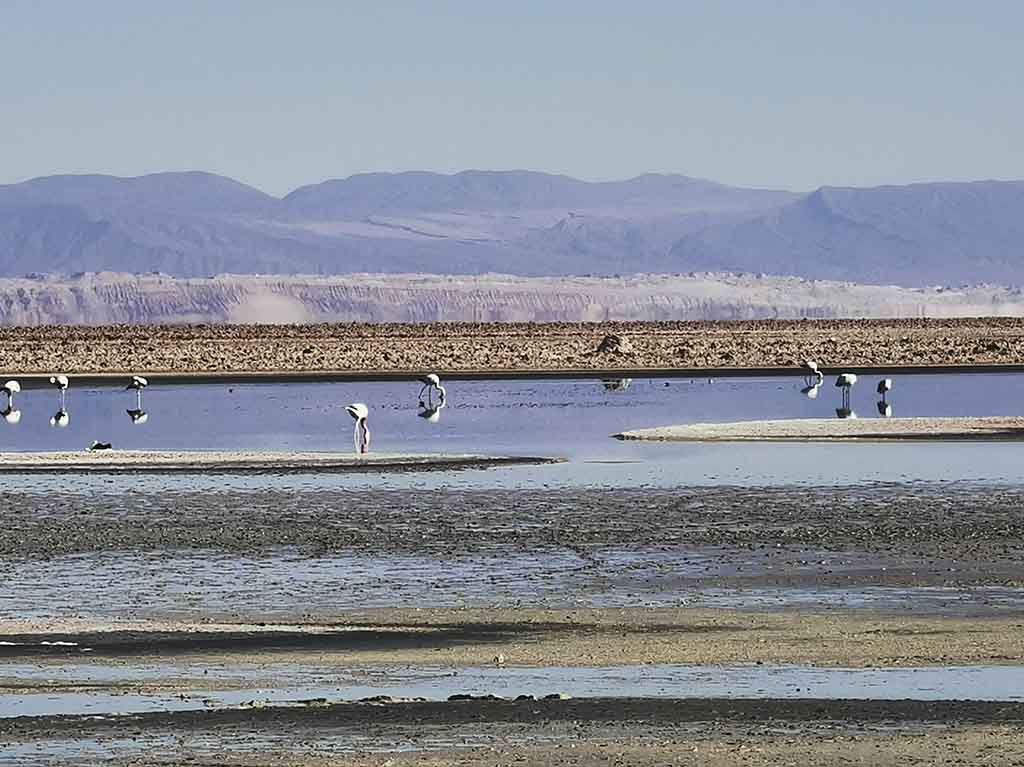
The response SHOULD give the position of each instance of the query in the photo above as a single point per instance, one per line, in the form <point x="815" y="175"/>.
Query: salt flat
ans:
<point x="992" y="427"/>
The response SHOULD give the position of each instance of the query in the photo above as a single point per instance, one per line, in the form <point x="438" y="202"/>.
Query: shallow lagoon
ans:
<point x="569" y="418"/>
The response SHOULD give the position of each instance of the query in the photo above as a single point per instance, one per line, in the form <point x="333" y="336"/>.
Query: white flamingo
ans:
<point x="431" y="383"/>
<point x="61" y="382"/>
<point x="845" y="381"/>
<point x="137" y="414"/>
<point x="9" y="414"/>
<point x="361" y="434"/>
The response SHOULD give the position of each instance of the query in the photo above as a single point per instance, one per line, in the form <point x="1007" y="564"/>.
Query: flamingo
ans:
<point x="361" y="434"/>
<point x="811" y="371"/>
<point x="845" y="381"/>
<point x="138" y="415"/>
<point x="61" y="382"/>
<point x="431" y="383"/>
<point x="885" y="385"/>
<point x="9" y="414"/>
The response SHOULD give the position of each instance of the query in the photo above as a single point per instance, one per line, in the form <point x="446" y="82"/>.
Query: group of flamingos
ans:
<point x="429" y="409"/>
<point x="813" y="377"/>
<point x="62" y="418"/>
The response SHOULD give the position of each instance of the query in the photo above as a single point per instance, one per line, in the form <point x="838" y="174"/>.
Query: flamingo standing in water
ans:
<point x="61" y="417"/>
<point x="9" y="413"/>
<point x="137" y="414"/>
<point x="361" y="434"/>
<point x="431" y="383"/>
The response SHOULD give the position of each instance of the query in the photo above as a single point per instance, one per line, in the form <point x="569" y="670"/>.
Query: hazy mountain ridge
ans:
<point x="944" y="233"/>
<point x="533" y="224"/>
<point x="98" y="299"/>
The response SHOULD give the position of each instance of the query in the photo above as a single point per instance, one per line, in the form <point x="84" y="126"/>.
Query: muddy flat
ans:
<point x="541" y="637"/>
<point x="566" y="732"/>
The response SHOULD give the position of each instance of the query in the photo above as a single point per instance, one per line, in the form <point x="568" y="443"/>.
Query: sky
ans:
<point x="765" y="93"/>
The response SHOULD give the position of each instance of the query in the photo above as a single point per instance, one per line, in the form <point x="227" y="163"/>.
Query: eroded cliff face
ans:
<point x="107" y="298"/>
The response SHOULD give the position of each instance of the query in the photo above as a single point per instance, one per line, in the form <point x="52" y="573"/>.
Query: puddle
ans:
<point x="980" y="683"/>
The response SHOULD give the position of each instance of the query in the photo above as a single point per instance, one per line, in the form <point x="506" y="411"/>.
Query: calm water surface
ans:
<point x="567" y="418"/>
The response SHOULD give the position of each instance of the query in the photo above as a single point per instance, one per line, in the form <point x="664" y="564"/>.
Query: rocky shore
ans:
<point x="495" y="348"/>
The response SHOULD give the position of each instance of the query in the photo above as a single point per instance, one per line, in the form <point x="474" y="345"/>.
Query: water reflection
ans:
<point x="60" y="419"/>
<point x="490" y="416"/>
<point x="884" y="409"/>
<point x="138" y="416"/>
<point x="617" y="384"/>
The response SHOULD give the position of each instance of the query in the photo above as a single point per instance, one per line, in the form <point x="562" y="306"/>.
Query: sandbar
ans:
<point x="838" y="429"/>
<point x="221" y="461"/>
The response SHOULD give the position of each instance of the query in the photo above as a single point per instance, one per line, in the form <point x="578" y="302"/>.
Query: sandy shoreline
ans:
<point x="836" y="429"/>
<point x="222" y="461"/>
<point x="498" y="348"/>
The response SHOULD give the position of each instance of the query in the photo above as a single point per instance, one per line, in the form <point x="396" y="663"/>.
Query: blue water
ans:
<point x="568" y="418"/>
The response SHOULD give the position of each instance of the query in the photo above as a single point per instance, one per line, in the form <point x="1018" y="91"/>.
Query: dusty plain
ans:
<point x="503" y="348"/>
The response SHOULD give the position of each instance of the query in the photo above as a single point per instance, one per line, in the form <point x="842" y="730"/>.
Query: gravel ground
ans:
<point x="496" y="347"/>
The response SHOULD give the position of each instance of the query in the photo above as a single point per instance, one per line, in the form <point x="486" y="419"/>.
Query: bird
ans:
<point x="138" y="383"/>
<point x="885" y="385"/>
<point x="617" y="384"/>
<point x="431" y="383"/>
<point x="61" y="382"/>
<point x="885" y="409"/>
<point x="97" y="445"/>
<point x="361" y="434"/>
<point x="845" y="381"/>
<point x="811" y="372"/>
<point x="10" y="388"/>
<point x="9" y="414"/>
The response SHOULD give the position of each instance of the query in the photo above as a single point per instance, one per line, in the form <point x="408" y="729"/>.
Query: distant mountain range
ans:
<point x="516" y="222"/>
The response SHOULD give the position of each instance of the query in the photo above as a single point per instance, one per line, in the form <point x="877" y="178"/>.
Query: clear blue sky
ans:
<point x="279" y="94"/>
